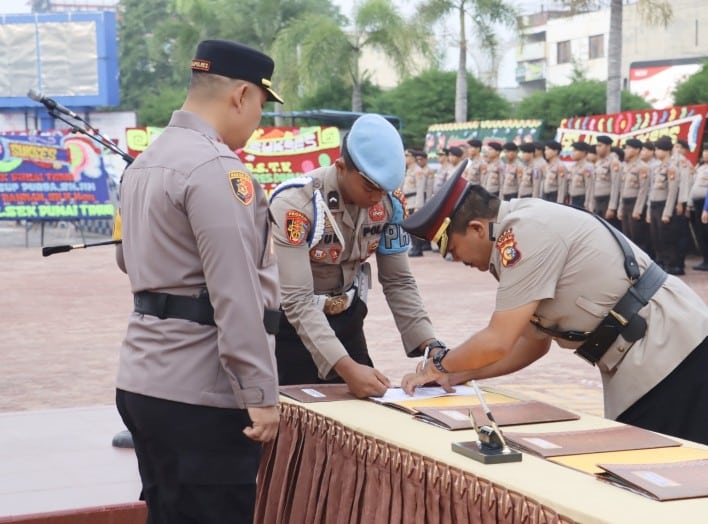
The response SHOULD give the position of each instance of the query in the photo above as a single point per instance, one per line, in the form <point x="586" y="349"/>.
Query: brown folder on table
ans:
<point x="616" y="438"/>
<point x="414" y="405"/>
<point x="505" y="414"/>
<point x="669" y="481"/>
<point x="307" y="393"/>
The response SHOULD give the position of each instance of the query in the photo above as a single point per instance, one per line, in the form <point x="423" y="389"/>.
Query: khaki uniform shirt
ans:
<point x="527" y="185"/>
<point x="634" y="176"/>
<point x="555" y="173"/>
<point x="194" y="219"/>
<point x="512" y="174"/>
<point x="473" y="171"/>
<point x="441" y="177"/>
<point x="686" y="174"/>
<point x="330" y="265"/>
<point x="580" y="179"/>
<point x="606" y="173"/>
<point x="492" y="175"/>
<point x="570" y="262"/>
<point x="700" y="185"/>
<point x="539" y="175"/>
<point x="414" y="185"/>
<point x="664" y="187"/>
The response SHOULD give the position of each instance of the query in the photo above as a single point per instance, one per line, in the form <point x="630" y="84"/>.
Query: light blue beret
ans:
<point x="376" y="149"/>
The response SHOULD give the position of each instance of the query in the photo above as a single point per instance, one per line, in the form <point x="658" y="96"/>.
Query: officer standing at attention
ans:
<point x="473" y="173"/>
<point x="697" y="197"/>
<point x="607" y="167"/>
<point x="493" y="170"/>
<point x="634" y="174"/>
<point x="512" y="171"/>
<point x="539" y="164"/>
<point x="663" y="192"/>
<point x="197" y="379"/>
<point x="328" y="223"/>
<point x="566" y="276"/>
<point x="555" y="172"/>
<point x="579" y="177"/>
<point x="528" y="181"/>
<point x="443" y="172"/>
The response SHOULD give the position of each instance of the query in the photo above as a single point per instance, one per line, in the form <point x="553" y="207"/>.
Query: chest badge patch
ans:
<point x="318" y="254"/>
<point x="335" y="253"/>
<point x="297" y="225"/>
<point x="506" y="244"/>
<point x="242" y="186"/>
<point x="377" y="213"/>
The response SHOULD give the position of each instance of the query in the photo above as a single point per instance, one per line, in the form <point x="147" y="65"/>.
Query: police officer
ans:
<point x="605" y="177"/>
<point x="528" y="181"/>
<point x="493" y="169"/>
<point x="473" y="173"/>
<point x="414" y="185"/>
<point x="634" y="174"/>
<point x="555" y="171"/>
<point x="697" y="197"/>
<point x="566" y="276"/>
<point x="662" y="196"/>
<point x="443" y="172"/>
<point x="579" y="177"/>
<point x="197" y="382"/>
<point x="539" y="164"/>
<point x="512" y="171"/>
<point x="328" y="223"/>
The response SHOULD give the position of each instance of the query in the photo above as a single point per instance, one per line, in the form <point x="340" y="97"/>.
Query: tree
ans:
<point x="315" y="48"/>
<point x="693" y="90"/>
<point x="337" y="95"/>
<point x="652" y="12"/>
<point x="429" y="99"/>
<point x="587" y="97"/>
<point x="484" y="15"/>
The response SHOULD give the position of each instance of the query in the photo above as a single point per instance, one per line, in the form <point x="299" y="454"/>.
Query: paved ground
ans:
<point x="63" y="318"/>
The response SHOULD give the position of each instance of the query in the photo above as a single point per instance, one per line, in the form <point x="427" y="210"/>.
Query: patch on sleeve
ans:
<point x="297" y="225"/>
<point x="506" y="244"/>
<point x="242" y="186"/>
<point x="398" y="195"/>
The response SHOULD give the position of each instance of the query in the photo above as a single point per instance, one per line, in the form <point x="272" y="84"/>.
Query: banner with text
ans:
<point x="686" y="122"/>
<point x="272" y="154"/>
<point x="440" y="136"/>
<point x="52" y="176"/>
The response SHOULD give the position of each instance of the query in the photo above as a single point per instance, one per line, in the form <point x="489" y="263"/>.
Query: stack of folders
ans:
<point x="307" y="393"/>
<point x="626" y="456"/>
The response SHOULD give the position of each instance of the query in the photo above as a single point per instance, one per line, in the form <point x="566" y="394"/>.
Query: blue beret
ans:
<point x="235" y="60"/>
<point x="376" y="149"/>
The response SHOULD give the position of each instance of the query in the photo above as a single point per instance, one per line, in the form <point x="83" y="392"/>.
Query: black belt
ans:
<point x="629" y="200"/>
<point x="196" y="309"/>
<point x="623" y="319"/>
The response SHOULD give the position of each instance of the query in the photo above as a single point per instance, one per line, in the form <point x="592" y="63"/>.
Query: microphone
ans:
<point x="50" y="104"/>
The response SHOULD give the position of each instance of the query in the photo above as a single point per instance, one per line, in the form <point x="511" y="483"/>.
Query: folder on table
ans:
<point x="505" y="414"/>
<point x="615" y="438"/>
<point x="668" y="481"/>
<point x="588" y="462"/>
<point x="435" y="397"/>
<point x="307" y="393"/>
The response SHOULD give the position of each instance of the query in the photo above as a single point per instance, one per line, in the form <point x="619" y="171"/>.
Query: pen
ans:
<point x="425" y="357"/>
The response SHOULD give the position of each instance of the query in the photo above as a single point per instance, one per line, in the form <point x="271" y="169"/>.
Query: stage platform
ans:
<point x="58" y="467"/>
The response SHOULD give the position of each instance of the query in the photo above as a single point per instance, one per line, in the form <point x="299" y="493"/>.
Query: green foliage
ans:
<point x="338" y="95"/>
<point x="583" y="98"/>
<point x="694" y="90"/>
<point x="430" y="99"/>
<point x="156" y="108"/>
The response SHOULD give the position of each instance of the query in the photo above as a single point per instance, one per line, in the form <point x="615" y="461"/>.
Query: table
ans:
<point x="356" y="461"/>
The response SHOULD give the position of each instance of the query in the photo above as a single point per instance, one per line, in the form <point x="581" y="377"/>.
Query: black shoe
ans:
<point x="123" y="439"/>
<point x="675" y="270"/>
<point x="701" y="267"/>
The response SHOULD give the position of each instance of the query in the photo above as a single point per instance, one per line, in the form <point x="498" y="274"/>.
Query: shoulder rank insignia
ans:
<point x="297" y="225"/>
<point x="506" y="244"/>
<point x="242" y="186"/>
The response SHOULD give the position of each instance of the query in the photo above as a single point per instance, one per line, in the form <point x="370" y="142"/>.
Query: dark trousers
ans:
<point x="658" y="234"/>
<point x="196" y="465"/>
<point x="700" y="229"/>
<point x="577" y="201"/>
<point x="683" y="239"/>
<point x="295" y="364"/>
<point x="676" y="405"/>
<point x="509" y="196"/>
<point x="551" y="197"/>
<point x="636" y="230"/>
<point x="601" y="205"/>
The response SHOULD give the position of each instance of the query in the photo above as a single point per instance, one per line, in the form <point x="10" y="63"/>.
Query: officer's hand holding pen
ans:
<point x="363" y="381"/>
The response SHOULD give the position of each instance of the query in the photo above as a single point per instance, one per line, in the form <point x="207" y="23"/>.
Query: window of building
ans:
<point x="597" y="46"/>
<point x="563" y="52"/>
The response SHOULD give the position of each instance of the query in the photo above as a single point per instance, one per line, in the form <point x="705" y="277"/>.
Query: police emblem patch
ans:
<point x="297" y="225"/>
<point x="318" y="254"/>
<point x="398" y="194"/>
<point x="334" y="253"/>
<point x="506" y="244"/>
<point x="242" y="186"/>
<point x="377" y="213"/>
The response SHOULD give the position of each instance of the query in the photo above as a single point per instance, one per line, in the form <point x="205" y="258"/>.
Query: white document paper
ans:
<point x="397" y="394"/>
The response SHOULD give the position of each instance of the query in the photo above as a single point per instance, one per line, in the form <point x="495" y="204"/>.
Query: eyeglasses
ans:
<point x="370" y="184"/>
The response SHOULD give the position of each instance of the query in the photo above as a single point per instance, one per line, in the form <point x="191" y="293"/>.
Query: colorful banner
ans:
<point x="686" y="122"/>
<point x="52" y="176"/>
<point x="272" y="154"/>
<point x="502" y="131"/>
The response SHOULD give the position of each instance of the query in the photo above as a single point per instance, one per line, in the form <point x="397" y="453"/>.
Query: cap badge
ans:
<point x="242" y="186"/>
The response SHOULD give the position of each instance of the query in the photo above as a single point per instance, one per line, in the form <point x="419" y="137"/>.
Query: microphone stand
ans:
<point x="93" y="133"/>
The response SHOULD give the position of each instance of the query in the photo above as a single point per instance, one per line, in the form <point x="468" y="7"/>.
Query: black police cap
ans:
<point x="635" y="143"/>
<point x="474" y="142"/>
<point x="649" y="145"/>
<point x="495" y="145"/>
<point x="555" y="146"/>
<point x="580" y="146"/>
<point x="663" y="145"/>
<point x="454" y="150"/>
<point x="683" y="143"/>
<point x="510" y="146"/>
<point x="538" y="146"/>
<point x="235" y="60"/>
<point x="592" y="149"/>
<point x="527" y="147"/>
<point x="604" y="139"/>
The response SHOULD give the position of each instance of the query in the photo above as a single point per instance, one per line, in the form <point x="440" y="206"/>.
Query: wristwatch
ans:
<point x="435" y="344"/>
<point x="437" y="359"/>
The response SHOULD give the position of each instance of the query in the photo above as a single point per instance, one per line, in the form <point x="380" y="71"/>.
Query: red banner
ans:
<point x="272" y="154"/>
<point x="686" y="122"/>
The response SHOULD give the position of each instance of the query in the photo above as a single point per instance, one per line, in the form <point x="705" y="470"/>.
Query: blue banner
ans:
<point x="54" y="176"/>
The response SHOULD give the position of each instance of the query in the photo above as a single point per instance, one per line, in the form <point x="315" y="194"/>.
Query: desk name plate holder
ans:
<point x="491" y="447"/>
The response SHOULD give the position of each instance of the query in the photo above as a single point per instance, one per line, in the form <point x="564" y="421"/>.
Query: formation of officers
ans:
<point x="649" y="190"/>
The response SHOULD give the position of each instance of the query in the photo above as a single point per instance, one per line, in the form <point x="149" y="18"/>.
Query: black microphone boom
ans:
<point x="50" y="104"/>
